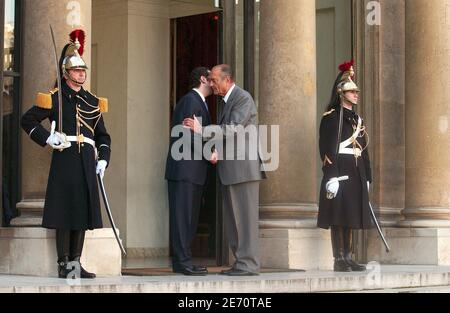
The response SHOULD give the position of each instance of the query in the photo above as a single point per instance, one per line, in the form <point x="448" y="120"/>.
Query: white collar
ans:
<point x="200" y="94"/>
<point x="227" y="96"/>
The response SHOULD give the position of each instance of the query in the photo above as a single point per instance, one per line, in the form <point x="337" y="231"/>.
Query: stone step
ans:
<point x="31" y="212"/>
<point x="438" y="289"/>
<point x="27" y="220"/>
<point x="32" y="251"/>
<point x="382" y="279"/>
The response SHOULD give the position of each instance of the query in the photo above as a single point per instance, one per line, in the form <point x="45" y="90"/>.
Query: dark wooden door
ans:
<point x="196" y="43"/>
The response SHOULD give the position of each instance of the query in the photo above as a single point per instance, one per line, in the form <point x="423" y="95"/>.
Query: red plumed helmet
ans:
<point x="78" y="37"/>
<point x="346" y="66"/>
<point x="72" y="53"/>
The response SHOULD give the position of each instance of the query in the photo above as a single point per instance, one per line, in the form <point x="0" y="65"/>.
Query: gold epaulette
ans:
<point x="329" y="112"/>
<point x="103" y="105"/>
<point x="44" y="100"/>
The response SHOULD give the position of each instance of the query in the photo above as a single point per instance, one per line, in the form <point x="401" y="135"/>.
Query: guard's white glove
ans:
<point x="101" y="168"/>
<point x="57" y="140"/>
<point x="368" y="186"/>
<point x="332" y="187"/>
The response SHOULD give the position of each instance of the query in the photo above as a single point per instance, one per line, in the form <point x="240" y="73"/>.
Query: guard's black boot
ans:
<point x="337" y="242"/>
<point x="83" y="273"/>
<point x="76" y="248"/>
<point x="63" y="270"/>
<point x="348" y="252"/>
<point x="340" y="265"/>
<point x="63" y="250"/>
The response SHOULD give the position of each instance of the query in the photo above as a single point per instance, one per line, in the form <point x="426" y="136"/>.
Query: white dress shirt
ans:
<point x="203" y="98"/>
<point x="227" y="96"/>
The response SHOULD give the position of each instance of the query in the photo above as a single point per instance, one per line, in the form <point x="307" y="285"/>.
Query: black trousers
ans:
<point x="185" y="200"/>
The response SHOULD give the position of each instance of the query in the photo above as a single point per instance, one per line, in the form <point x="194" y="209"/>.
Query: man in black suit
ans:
<point x="187" y="175"/>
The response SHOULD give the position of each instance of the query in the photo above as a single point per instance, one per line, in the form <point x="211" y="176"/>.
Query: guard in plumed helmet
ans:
<point x="344" y="194"/>
<point x="81" y="149"/>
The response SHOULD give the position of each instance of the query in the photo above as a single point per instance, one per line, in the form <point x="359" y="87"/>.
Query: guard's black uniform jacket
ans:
<point x="72" y="200"/>
<point x="350" y="208"/>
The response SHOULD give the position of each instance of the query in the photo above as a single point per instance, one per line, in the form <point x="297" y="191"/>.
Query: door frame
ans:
<point x="2" y="45"/>
<point x="14" y="187"/>
<point x="227" y="54"/>
<point x="221" y="255"/>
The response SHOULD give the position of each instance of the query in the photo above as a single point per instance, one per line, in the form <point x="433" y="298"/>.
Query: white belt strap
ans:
<point x="81" y="139"/>
<point x="352" y="139"/>
<point x="357" y="151"/>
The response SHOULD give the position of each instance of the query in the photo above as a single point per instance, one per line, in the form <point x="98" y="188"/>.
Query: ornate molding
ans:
<point x="288" y="224"/>
<point x="425" y="217"/>
<point x="31" y="205"/>
<point x="389" y="217"/>
<point x="288" y="211"/>
<point x="116" y="8"/>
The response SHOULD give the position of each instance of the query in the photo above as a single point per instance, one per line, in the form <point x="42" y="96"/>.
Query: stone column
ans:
<point x="288" y="99"/>
<point x="380" y="55"/>
<point x="132" y="57"/>
<point x="425" y="237"/>
<point x="39" y="75"/>
<point x="427" y="114"/>
<point x="101" y="254"/>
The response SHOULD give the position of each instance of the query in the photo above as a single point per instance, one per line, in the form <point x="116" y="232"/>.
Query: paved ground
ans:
<point x="378" y="279"/>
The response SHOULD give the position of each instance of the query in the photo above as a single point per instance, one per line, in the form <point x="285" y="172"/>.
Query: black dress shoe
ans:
<point x="201" y="268"/>
<point x="237" y="272"/>
<point x="191" y="272"/>
<point x="353" y="265"/>
<point x="226" y="272"/>
<point x="340" y="265"/>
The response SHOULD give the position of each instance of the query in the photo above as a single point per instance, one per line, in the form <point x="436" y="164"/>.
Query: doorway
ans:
<point x="196" y="42"/>
<point x="11" y="13"/>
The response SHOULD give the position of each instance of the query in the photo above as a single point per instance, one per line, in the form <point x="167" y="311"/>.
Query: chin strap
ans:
<point x="69" y="77"/>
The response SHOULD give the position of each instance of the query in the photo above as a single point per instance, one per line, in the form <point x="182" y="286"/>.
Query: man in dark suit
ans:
<point x="240" y="171"/>
<point x="187" y="176"/>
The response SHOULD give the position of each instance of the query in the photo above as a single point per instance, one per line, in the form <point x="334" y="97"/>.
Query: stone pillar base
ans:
<point x="307" y="249"/>
<point x="411" y="246"/>
<point x="32" y="252"/>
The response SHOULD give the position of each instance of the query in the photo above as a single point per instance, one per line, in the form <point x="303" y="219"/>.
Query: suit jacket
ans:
<point x="243" y="163"/>
<point x="195" y="169"/>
